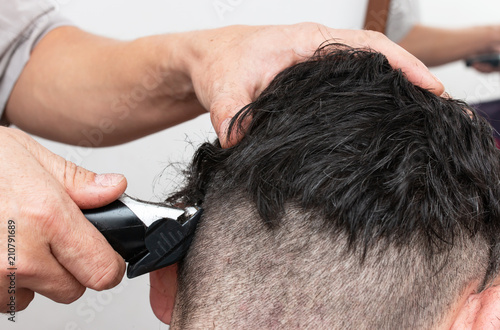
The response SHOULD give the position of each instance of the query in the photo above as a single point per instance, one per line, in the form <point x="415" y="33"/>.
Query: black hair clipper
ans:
<point x="491" y="59"/>
<point x="149" y="236"/>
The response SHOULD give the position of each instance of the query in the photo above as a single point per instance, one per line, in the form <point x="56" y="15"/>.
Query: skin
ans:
<point x="479" y="311"/>
<point x="433" y="46"/>
<point x="437" y="46"/>
<point x="74" y="79"/>
<point x="476" y="310"/>
<point x="76" y="82"/>
<point x="162" y="293"/>
<point x="54" y="243"/>
<point x="471" y="311"/>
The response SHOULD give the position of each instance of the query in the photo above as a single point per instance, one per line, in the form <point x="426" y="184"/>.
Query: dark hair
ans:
<point x="390" y="160"/>
<point x="375" y="158"/>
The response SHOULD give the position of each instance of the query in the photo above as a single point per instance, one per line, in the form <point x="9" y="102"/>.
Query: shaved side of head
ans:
<point x="355" y="200"/>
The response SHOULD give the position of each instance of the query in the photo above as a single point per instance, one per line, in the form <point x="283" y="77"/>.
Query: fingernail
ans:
<point x="108" y="179"/>
<point x="445" y="95"/>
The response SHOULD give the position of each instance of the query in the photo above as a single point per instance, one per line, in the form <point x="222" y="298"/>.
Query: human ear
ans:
<point x="162" y="292"/>
<point x="480" y="310"/>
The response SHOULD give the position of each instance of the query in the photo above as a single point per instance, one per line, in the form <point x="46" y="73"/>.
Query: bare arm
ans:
<point x="76" y="81"/>
<point x="436" y="46"/>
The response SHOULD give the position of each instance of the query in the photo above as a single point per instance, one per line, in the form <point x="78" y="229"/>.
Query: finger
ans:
<point x="53" y="221"/>
<point x="22" y="299"/>
<point x="416" y="72"/>
<point x="77" y="245"/>
<point x="484" y="67"/>
<point x="163" y="291"/>
<point x="223" y="110"/>
<point x="87" y="189"/>
<point x="58" y="226"/>
<point x="85" y="253"/>
<point x="398" y="57"/>
<point x="42" y="273"/>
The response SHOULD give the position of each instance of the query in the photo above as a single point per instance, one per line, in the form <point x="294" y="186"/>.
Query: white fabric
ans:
<point x="403" y="15"/>
<point x="22" y="24"/>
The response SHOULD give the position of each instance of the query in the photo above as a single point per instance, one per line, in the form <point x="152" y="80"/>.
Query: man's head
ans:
<point x="355" y="200"/>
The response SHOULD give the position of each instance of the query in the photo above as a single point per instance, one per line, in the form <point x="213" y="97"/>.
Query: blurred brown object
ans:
<point x="376" y="15"/>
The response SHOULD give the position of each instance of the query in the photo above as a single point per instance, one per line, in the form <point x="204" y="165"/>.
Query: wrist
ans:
<point x="491" y="38"/>
<point x="169" y="64"/>
<point x="189" y="55"/>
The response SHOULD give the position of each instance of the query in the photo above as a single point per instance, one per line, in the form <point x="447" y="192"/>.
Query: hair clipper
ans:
<point x="149" y="236"/>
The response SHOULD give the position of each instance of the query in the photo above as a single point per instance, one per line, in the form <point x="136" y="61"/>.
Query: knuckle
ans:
<point x="74" y="174"/>
<point x="22" y="138"/>
<point x="309" y="25"/>
<point x="108" y="276"/>
<point x="45" y="216"/>
<point x="69" y="173"/>
<point x="371" y="35"/>
<point x="71" y="295"/>
<point x="15" y="133"/>
<point x="367" y="38"/>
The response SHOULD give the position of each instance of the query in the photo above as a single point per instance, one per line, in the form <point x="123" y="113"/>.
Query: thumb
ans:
<point x="90" y="190"/>
<point x="222" y="111"/>
<point x="86" y="188"/>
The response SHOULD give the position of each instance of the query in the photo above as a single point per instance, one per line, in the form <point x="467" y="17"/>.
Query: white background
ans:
<point x="145" y="162"/>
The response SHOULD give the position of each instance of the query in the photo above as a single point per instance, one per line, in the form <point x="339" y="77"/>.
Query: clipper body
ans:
<point x="149" y="236"/>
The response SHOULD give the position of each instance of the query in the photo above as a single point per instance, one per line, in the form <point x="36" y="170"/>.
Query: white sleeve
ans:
<point x="22" y="24"/>
<point x="403" y="15"/>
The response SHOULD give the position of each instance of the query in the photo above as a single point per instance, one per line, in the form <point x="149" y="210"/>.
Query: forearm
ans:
<point x="75" y="82"/>
<point x="436" y="46"/>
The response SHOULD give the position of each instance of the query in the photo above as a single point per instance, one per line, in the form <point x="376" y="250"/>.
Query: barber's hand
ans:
<point x="485" y="67"/>
<point x="492" y="36"/>
<point x="58" y="253"/>
<point x="230" y="66"/>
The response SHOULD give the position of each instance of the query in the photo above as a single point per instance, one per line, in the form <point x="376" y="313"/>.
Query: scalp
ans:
<point x="394" y="191"/>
